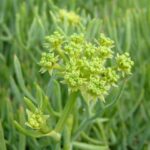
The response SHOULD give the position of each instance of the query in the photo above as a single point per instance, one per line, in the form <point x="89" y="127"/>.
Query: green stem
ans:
<point x="90" y="140"/>
<point x="67" y="110"/>
<point x="67" y="141"/>
<point x="67" y="133"/>
<point x="84" y="124"/>
<point x="50" y="109"/>
<point x="102" y="131"/>
<point x="85" y="146"/>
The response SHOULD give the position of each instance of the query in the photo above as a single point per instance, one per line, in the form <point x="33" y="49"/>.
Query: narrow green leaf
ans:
<point x="128" y="31"/>
<point x="22" y="138"/>
<point x="66" y="112"/>
<point x="85" y="146"/>
<point x="49" y="107"/>
<point x="117" y="96"/>
<point x="36" y="31"/>
<point x="29" y="104"/>
<point x="15" y="90"/>
<point x="2" y="140"/>
<point x="39" y="96"/>
<point x="25" y="131"/>
<point x="90" y="139"/>
<point x="93" y="28"/>
<point x="55" y="93"/>
<point x="35" y="133"/>
<point x="20" y="78"/>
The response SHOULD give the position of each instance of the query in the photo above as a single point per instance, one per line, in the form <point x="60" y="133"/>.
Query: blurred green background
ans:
<point x="23" y="26"/>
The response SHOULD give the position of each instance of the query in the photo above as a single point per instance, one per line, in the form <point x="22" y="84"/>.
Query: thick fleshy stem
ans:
<point x="67" y="110"/>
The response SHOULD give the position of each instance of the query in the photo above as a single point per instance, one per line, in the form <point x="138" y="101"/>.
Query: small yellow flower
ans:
<point x="71" y="17"/>
<point x="124" y="63"/>
<point x="36" y="120"/>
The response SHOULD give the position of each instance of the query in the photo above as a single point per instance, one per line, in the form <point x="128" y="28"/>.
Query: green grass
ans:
<point x="23" y="26"/>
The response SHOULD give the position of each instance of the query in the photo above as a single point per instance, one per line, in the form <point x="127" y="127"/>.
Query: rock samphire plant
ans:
<point x="83" y="65"/>
<point x="88" y="70"/>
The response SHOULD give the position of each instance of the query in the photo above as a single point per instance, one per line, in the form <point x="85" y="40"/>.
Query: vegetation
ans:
<point x="48" y="95"/>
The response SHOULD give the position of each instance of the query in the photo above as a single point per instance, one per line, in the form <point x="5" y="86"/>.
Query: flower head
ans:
<point x="54" y="41"/>
<point x="124" y="63"/>
<point x="36" y="120"/>
<point x="105" y="41"/>
<point x="84" y="65"/>
<point x="48" y="61"/>
<point x="71" y="17"/>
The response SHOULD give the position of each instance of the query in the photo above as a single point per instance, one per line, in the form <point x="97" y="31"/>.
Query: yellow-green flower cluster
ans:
<point x="84" y="65"/>
<point x="36" y="120"/>
<point x="124" y="63"/>
<point x="54" y="41"/>
<point x="48" y="61"/>
<point x="71" y="17"/>
<point x="105" y="41"/>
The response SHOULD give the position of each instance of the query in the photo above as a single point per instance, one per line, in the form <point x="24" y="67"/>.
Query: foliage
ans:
<point x="23" y="26"/>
